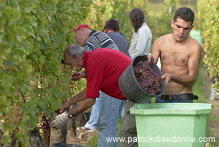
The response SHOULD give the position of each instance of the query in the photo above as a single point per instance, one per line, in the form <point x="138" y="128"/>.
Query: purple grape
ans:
<point x="147" y="78"/>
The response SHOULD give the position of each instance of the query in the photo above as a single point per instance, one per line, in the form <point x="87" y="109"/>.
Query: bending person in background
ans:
<point x="180" y="56"/>
<point x="112" y="29"/>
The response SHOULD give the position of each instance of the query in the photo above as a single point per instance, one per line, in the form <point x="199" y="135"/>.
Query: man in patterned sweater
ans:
<point x="91" y="40"/>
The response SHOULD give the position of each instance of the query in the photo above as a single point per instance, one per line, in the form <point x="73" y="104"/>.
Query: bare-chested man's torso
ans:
<point x="174" y="60"/>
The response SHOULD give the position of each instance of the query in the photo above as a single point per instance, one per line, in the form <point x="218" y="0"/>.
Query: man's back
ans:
<point x="120" y="41"/>
<point x="99" y="40"/>
<point x="103" y="68"/>
<point x="141" y="41"/>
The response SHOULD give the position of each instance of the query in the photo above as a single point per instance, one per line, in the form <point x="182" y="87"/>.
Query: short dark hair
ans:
<point x="185" y="14"/>
<point x="137" y="18"/>
<point x="112" y="24"/>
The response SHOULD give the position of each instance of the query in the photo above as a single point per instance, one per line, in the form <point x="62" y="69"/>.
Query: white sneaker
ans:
<point x="83" y="129"/>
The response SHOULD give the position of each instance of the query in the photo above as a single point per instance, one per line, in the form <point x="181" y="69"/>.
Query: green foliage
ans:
<point x="160" y="25"/>
<point x="121" y="10"/>
<point x="210" y="33"/>
<point x="103" y="10"/>
<point x="33" y="35"/>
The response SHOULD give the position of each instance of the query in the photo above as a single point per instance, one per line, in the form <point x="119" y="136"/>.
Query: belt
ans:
<point x="184" y="96"/>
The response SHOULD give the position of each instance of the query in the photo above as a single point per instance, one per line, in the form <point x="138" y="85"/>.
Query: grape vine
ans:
<point x="210" y="33"/>
<point x="33" y="35"/>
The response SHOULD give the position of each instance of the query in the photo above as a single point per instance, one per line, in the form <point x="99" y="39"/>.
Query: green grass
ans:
<point x="93" y="142"/>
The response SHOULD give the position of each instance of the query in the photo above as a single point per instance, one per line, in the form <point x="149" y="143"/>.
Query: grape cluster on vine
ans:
<point x="147" y="78"/>
<point x="44" y="124"/>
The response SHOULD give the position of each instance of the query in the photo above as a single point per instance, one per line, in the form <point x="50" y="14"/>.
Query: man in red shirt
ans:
<point x="103" y="68"/>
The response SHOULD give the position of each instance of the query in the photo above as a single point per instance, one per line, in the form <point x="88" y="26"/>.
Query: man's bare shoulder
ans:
<point x="194" y="43"/>
<point x="163" y="39"/>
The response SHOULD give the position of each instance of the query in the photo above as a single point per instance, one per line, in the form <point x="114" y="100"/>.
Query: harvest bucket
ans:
<point x="130" y="86"/>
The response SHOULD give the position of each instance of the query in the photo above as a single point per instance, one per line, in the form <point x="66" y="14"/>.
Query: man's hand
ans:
<point x="78" y="75"/>
<point x="150" y="57"/>
<point x="64" y="107"/>
<point x="60" y="120"/>
<point x="167" y="78"/>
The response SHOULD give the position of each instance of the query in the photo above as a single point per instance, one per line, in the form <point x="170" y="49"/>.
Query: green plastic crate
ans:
<point x="171" y="124"/>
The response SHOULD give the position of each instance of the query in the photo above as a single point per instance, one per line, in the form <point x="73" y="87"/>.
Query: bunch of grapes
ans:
<point x="44" y="124"/>
<point x="147" y="78"/>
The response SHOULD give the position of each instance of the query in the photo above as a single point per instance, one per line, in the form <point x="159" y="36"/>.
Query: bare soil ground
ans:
<point x="82" y="138"/>
<point x="73" y="135"/>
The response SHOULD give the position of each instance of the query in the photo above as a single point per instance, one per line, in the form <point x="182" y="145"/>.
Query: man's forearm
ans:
<point x="87" y="103"/>
<point x="186" y="80"/>
<point x="77" y="98"/>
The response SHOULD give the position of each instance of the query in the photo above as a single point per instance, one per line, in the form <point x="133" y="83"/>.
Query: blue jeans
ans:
<point x="95" y="112"/>
<point x="108" y="122"/>
<point x="94" y="117"/>
<point x="160" y="100"/>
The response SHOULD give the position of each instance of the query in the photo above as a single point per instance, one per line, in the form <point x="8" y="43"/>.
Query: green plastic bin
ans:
<point x="171" y="124"/>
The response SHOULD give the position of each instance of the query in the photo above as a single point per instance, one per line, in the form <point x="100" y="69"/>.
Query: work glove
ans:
<point x="60" y="120"/>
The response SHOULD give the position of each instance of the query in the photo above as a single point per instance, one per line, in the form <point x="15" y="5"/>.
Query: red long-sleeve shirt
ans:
<point x="103" y="68"/>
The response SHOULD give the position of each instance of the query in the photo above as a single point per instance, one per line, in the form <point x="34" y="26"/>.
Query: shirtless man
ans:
<point x="180" y="56"/>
